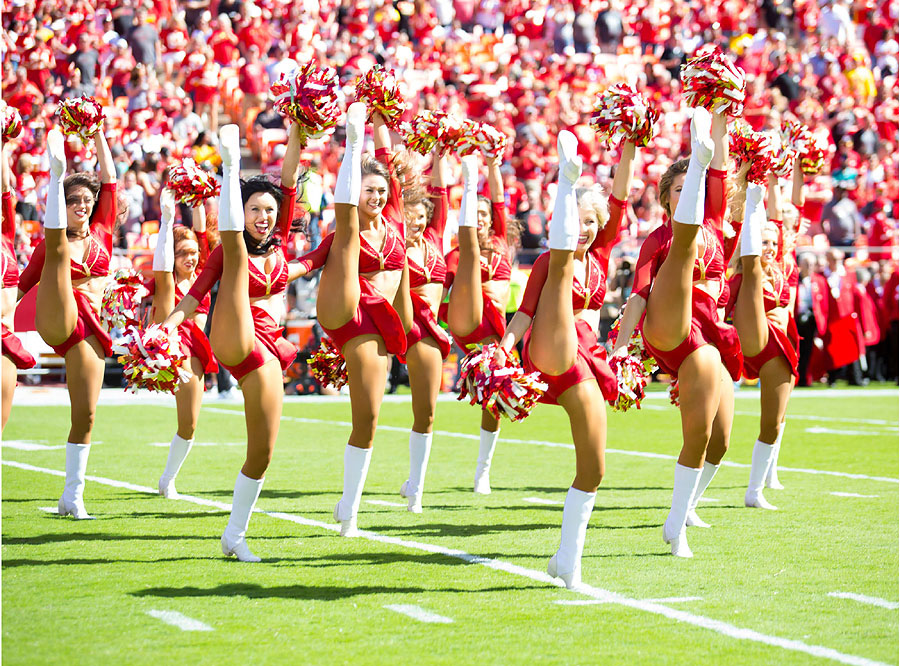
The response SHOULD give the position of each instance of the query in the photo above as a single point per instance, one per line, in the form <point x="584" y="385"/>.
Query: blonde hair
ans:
<point x="594" y="199"/>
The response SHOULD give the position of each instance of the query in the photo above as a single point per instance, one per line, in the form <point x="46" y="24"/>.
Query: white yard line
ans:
<point x="541" y="500"/>
<point x="839" y="494"/>
<point x="717" y="626"/>
<point x="49" y="509"/>
<point x="419" y="613"/>
<point x="176" y="619"/>
<point x="822" y="430"/>
<point x="30" y="445"/>
<point x="386" y="503"/>
<point x="863" y="599"/>
<point x="165" y="445"/>
<point x="592" y="602"/>
<point x="560" y="445"/>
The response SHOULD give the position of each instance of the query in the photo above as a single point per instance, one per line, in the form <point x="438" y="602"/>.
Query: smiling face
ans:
<point x="416" y="222"/>
<point x="187" y="256"/>
<point x="590" y="225"/>
<point x="373" y="197"/>
<point x="675" y="193"/>
<point x="769" y="245"/>
<point x="79" y="205"/>
<point x="484" y="223"/>
<point x="260" y="215"/>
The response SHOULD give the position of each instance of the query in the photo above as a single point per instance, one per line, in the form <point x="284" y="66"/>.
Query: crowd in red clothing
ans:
<point x="166" y="69"/>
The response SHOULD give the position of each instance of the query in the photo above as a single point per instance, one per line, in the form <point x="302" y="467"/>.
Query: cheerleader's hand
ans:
<point x="620" y="351"/>
<point x="167" y="204"/>
<point x="779" y="317"/>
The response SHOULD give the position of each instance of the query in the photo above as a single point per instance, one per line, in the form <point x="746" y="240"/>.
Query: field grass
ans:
<point x="756" y="592"/>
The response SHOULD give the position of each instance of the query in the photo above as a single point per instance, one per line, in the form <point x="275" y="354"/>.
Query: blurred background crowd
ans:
<point x="169" y="72"/>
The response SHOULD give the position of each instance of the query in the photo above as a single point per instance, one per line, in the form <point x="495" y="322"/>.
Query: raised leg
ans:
<point x="9" y="387"/>
<point x="749" y="309"/>
<point x="164" y="260"/>
<point x="466" y="306"/>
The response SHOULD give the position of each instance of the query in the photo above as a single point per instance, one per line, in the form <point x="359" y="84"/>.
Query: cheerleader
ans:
<point x="15" y="356"/>
<point x="559" y="318"/>
<point x="763" y="305"/>
<point x="254" y="219"/>
<point x="363" y="302"/>
<point x="426" y="343"/>
<point x="71" y="267"/>
<point x="180" y="255"/>
<point x="478" y="275"/>
<point x="678" y="281"/>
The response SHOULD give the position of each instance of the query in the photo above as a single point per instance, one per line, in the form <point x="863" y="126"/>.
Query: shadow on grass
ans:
<point x="464" y="530"/>
<point x="7" y="563"/>
<point x="303" y="592"/>
<point x="103" y="536"/>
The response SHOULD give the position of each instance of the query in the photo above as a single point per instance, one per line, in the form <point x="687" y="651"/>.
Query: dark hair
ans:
<point x="372" y="167"/>
<point x="665" y="183"/>
<point x="89" y="181"/>
<point x="261" y="185"/>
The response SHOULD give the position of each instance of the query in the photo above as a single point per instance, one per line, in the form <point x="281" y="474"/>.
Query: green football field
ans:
<point x="465" y="581"/>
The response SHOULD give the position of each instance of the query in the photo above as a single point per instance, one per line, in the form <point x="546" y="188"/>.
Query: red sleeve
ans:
<point x="286" y="214"/>
<point x="103" y="219"/>
<point x="151" y="286"/>
<point x="441" y="199"/>
<point x="498" y="219"/>
<point x="716" y="196"/>
<point x="609" y="234"/>
<point x="208" y="276"/>
<point x="203" y="242"/>
<point x="794" y="277"/>
<point x="31" y="274"/>
<point x="9" y="217"/>
<point x="316" y="258"/>
<point x="643" y="272"/>
<point x="730" y="245"/>
<point x="393" y="209"/>
<point x="452" y="260"/>
<point x="779" y="253"/>
<point x="536" y="280"/>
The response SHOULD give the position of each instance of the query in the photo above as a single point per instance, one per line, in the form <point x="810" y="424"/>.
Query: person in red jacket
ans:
<point x="844" y="339"/>
<point x="890" y="305"/>
<point x="811" y="313"/>
<point x="870" y="323"/>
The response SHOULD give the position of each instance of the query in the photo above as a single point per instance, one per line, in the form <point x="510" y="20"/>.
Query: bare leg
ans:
<point x="263" y="393"/>
<point x="466" y="307"/>
<point x="9" y="387"/>
<point x="85" y="364"/>
<point x="425" y="365"/>
<point x="188" y="400"/>
<point x="776" y="382"/>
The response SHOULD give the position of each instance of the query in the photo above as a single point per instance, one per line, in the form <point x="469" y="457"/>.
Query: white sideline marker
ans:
<point x="541" y="500"/>
<point x="560" y="445"/>
<point x="176" y="619"/>
<point x="718" y="626"/>
<point x="30" y="445"/>
<point x="839" y="494"/>
<point x="165" y="445"/>
<point x="419" y="613"/>
<point x="49" y="509"/>
<point x="863" y="599"/>
<point x="385" y="503"/>
<point x="592" y="602"/>
<point x="821" y="430"/>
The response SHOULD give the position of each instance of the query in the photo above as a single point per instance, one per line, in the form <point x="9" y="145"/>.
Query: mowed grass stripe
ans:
<point x="599" y="594"/>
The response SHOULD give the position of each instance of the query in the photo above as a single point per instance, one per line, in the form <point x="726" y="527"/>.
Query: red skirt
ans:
<point x="374" y="316"/>
<point x="195" y="344"/>
<point x="589" y="364"/>
<point x="268" y="338"/>
<point x="493" y="324"/>
<point x="12" y="347"/>
<point x="706" y="329"/>
<point x="779" y="344"/>
<point x="88" y="324"/>
<point x="425" y="325"/>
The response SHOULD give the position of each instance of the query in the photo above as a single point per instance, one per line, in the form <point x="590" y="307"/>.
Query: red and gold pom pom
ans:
<point x="153" y="359"/>
<point x="122" y="298"/>
<point x="466" y="138"/>
<point x="192" y="185"/>
<point x="491" y="141"/>
<point x="622" y="113"/>
<point x="784" y="158"/>
<point x="308" y="96"/>
<point x="501" y="388"/>
<point x="674" y="396"/>
<point x="328" y="366"/>
<point x="422" y="132"/>
<point x="712" y="81"/>
<point x="815" y="153"/>
<point x="633" y="372"/>
<point x="11" y="121"/>
<point x="81" y="116"/>
<point x="380" y="90"/>
<point x="757" y="148"/>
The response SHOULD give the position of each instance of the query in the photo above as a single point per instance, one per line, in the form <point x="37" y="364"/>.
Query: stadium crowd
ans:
<point x="168" y="71"/>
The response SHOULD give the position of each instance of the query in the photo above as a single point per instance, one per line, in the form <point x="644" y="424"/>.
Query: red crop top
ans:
<point x="591" y="295"/>
<point x="97" y="252"/>
<point x="10" y="266"/>
<point x="434" y="270"/>
<point x="711" y="264"/>
<point x="261" y="284"/>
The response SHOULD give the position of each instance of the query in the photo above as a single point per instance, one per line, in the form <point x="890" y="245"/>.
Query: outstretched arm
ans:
<point x="618" y="199"/>
<point x="495" y="180"/>
<point x="630" y="317"/>
<point x="439" y="168"/>
<point x="290" y="168"/>
<point x="798" y="190"/>
<point x="382" y="132"/>
<point x="104" y="158"/>
<point x="517" y="327"/>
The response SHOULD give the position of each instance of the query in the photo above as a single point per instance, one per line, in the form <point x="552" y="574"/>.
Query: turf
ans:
<point x="79" y="592"/>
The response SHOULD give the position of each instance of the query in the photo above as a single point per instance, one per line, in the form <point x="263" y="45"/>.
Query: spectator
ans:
<point x="840" y="218"/>
<point x="143" y="39"/>
<point x="85" y="59"/>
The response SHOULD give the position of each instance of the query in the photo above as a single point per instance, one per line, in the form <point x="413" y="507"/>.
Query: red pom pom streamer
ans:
<point x="122" y="298"/>
<point x="308" y="96"/>
<point x="11" y="121"/>
<point x="503" y="389"/>
<point x="632" y="372"/>
<point x="380" y="90"/>
<point x="153" y="359"/>
<point x="328" y="366"/>
<point x="712" y="81"/>
<point x="674" y="396"/>
<point x="812" y="147"/>
<point x="192" y="185"/>
<point x="422" y="132"/>
<point x="487" y="138"/>
<point x="622" y="113"/>
<point x="81" y="116"/>
<point x="758" y="148"/>
<point x="784" y="158"/>
<point x="465" y="140"/>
